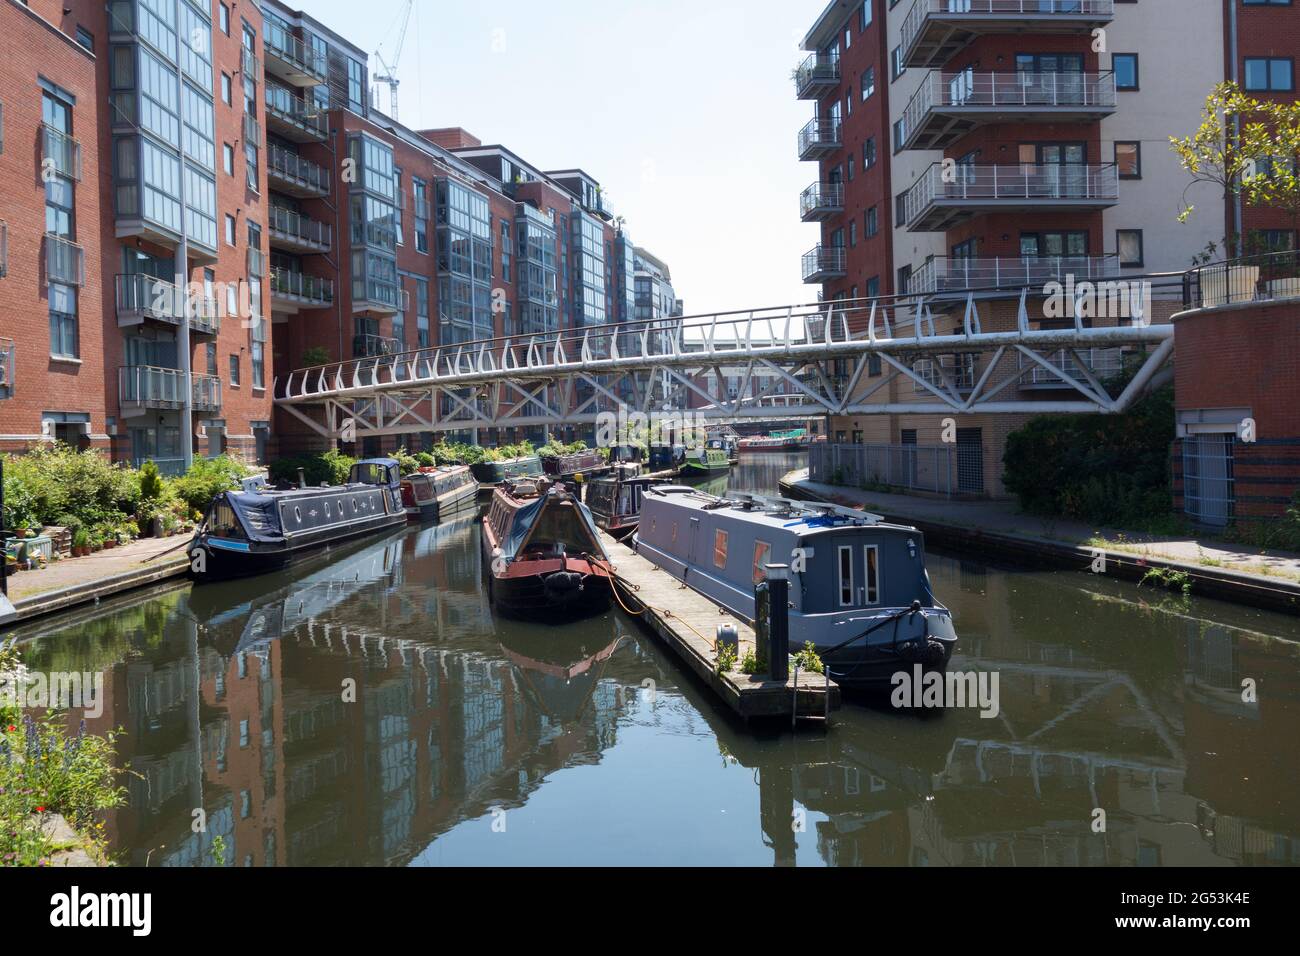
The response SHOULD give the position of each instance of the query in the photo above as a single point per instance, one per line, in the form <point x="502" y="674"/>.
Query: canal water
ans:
<point x="371" y="710"/>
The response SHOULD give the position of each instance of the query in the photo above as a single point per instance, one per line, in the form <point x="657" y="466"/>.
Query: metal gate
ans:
<point x="1207" y="478"/>
<point x="970" y="460"/>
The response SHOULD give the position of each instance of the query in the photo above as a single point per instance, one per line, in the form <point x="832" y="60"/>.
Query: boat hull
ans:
<point x="224" y="560"/>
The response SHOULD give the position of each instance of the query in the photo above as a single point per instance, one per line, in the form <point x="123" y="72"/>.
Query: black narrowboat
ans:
<point x="432" y="494"/>
<point x="491" y="472"/>
<point x="251" y="532"/>
<point x="615" y="502"/>
<point x="542" y="553"/>
<point x="575" y="463"/>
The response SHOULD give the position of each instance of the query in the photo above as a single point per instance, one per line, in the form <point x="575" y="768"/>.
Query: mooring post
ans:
<point x="778" y="631"/>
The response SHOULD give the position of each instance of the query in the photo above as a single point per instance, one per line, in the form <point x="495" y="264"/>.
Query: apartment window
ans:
<point x="904" y="277"/>
<point x="864" y="15"/>
<point x="1052" y="244"/>
<point x="86" y="38"/>
<point x="1128" y="242"/>
<point x="1273" y="240"/>
<point x="853" y="233"/>
<point x="966" y="250"/>
<point x="873" y="222"/>
<point x="1269" y="74"/>
<point x="898" y="136"/>
<point x="1125" y="66"/>
<point x="873" y="287"/>
<point x="227" y="96"/>
<point x="228" y="159"/>
<point x="230" y="230"/>
<point x="1128" y="159"/>
<point x="869" y="153"/>
<point x="211" y="357"/>
<point x="223" y="18"/>
<point x="896" y="68"/>
<point x="849" y="164"/>
<point x="900" y="207"/>
<point x="868" y="82"/>
<point x="63" y="320"/>
<point x="234" y="371"/>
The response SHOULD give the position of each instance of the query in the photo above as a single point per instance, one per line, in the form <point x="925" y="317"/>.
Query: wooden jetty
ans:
<point x="687" y="622"/>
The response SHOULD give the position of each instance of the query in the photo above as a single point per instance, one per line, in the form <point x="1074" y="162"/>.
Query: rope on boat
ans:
<point x="606" y="570"/>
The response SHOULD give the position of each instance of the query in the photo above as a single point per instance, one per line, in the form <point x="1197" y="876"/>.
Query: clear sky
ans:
<point x="683" y="110"/>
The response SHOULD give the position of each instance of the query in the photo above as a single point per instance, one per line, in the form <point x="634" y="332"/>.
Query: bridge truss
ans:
<point x="794" y="362"/>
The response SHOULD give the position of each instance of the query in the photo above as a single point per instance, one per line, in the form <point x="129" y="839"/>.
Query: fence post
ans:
<point x="778" y="632"/>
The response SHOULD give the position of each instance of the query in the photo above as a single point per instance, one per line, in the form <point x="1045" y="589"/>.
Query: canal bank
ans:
<point x="997" y="530"/>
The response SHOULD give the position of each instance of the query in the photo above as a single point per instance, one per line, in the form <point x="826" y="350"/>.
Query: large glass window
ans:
<point x="63" y="320"/>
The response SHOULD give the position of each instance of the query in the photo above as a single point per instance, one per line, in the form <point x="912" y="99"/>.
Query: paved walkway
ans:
<point x="97" y="567"/>
<point x="1006" y="517"/>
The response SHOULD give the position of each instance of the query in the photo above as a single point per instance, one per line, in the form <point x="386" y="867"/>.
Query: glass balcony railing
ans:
<point x="143" y="297"/>
<point x="248" y="64"/>
<point x="7" y="367"/>
<point x="945" y="195"/>
<point x="816" y="75"/>
<point x="291" y="228"/>
<point x="821" y="200"/>
<point x="369" y="346"/>
<point x="934" y="31"/>
<point x="291" y="59"/>
<point x="65" y="261"/>
<point x="820" y="137"/>
<point x="942" y="274"/>
<point x="60" y="152"/>
<point x="292" y="286"/>
<point x="948" y="105"/>
<point x="148" y="386"/>
<point x="1102" y="363"/>
<point x="290" y="173"/>
<point x="293" y="117"/>
<point x="823" y="262"/>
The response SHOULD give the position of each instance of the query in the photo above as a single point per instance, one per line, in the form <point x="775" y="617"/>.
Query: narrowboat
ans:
<point x="576" y="463"/>
<point x="728" y="444"/>
<point x="251" y="532"/>
<point x="859" y="588"/>
<point x="615" y="503"/>
<point x="542" y="553"/>
<point x="704" y="460"/>
<point x="491" y="472"/>
<point x="792" y="440"/>
<point x="433" y="493"/>
<point x="666" y="457"/>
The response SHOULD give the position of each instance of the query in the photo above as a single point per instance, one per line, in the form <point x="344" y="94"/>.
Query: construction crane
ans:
<point x="389" y="74"/>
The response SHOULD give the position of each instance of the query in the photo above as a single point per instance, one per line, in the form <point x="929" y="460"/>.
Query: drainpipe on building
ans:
<point x="183" y="282"/>
<point x="1233" y="74"/>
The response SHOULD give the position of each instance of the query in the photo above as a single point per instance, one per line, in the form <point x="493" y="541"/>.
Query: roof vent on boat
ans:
<point x="839" y="511"/>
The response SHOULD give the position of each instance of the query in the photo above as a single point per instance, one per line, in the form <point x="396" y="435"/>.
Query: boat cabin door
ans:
<point x="693" y="541"/>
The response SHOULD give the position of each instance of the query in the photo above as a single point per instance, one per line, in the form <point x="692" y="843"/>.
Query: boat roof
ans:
<point x="801" y="517"/>
<point x="385" y="462"/>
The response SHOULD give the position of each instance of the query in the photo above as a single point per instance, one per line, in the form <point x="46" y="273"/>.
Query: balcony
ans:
<point x="370" y="346"/>
<point x="60" y="152"/>
<point x="291" y="60"/>
<point x="1102" y="363"/>
<point x="945" y="275"/>
<point x="248" y="65"/>
<point x="819" y="138"/>
<point x="143" y="387"/>
<point x="947" y="106"/>
<point x="294" y="118"/>
<point x="817" y="75"/>
<point x="943" y="197"/>
<point x="935" y="31"/>
<point x="142" y="299"/>
<point x="7" y="364"/>
<point x="252" y="132"/>
<point x="292" y="175"/>
<point x="293" y="290"/>
<point x="821" y="264"/>
<point x="294" y="232"/>
<point x="379" y="297"/>
<point x="65" y="261"/>
<point x="821" y="201"/>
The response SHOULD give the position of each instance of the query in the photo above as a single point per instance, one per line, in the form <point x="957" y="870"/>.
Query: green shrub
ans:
<point x="151" y="483"/>
<point x="425" y="460"/>
<point x="1104" y="469"/>
<point x="52" y="482"/>
<point x="555" y="448"/>
<point x="330" y="468"/>
<point x="206" y="479"/>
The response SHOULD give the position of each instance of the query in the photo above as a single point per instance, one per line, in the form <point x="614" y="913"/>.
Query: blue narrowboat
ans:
<point x="254" y="531"/>
<point x="859" y="589"/>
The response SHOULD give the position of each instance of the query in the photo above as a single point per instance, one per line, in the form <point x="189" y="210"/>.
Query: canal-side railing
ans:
<point x="928" y="468"/>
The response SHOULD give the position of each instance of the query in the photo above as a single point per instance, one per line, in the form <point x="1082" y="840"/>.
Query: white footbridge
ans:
<point x="792" y="362"/>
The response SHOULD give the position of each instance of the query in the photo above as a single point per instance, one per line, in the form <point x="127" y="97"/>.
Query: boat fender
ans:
<point x="726" y="635"/>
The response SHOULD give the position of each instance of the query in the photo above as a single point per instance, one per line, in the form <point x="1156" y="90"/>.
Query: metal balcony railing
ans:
<point x="820" y="136"/>
<point x="935" y="30"/>
<point x="818" y="73"/>
<point x="149" y="386"/>
<point x="287" y="169"/>
<point x="367" y="346"/>
<point x="64" y="261"/>
<point x="820" y="200"/>
<point x="1254" y="278"/>
<point x="248" y="64"/>
<point x="304" y="64"/>
<point x="299" y="230"/>
<point x="256" y="262"/>
<point x="60" y="152"/>
<point x="823" y="262"/>
<point x="947" y="105"/>
<point x="7" y="366"/>
<point x="141" y="297"/>
<point x="288" y="284"/>
<point x="957" y="274"/>
<point x="295" y="112"/>
<point x="974" y="188"/>
<point x="957" y="368"/>
<point x="252" y="132"/>
<point x="1102" y="363"/>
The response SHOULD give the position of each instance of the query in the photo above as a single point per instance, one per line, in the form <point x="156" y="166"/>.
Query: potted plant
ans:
<point x="80" y="543"/>
<point x="96" y="541"/>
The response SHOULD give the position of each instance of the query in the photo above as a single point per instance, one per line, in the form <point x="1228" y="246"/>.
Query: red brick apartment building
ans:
<point x="317" y="228"/>
<point x="908" y="98"/>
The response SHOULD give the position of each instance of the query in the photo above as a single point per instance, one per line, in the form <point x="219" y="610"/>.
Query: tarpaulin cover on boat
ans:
<point x="528" y="515"/>
<point x="258" y="514"/>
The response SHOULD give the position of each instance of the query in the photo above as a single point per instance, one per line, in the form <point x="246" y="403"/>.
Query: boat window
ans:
<point x="846" y="576"/>
<point x="223" y="523"/>
<point x="871" y="562"/>
<point x="327" y="509"/>
<point x="720" y="549"/>
<point x="297" y="514"/>
<point x="354" y="505"/>
<point x="761" y="551"/>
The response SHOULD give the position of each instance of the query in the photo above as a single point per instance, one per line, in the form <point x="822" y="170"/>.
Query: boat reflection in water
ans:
<point x="384" y="715"/>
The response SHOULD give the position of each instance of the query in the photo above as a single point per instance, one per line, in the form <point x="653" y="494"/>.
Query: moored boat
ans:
<point x="792" y="440"/>
<point x="575" y="463"/>
<point x="615" y="502"/>
<point x="542" y="553"/>
<point x="704" y="461"/>
<point x="859" y="589"/>
<point x="431" y="494"/>
<point x="491" y="472"/>
<point x="251" y="532"/>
